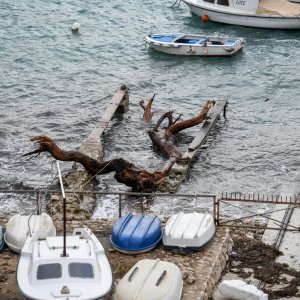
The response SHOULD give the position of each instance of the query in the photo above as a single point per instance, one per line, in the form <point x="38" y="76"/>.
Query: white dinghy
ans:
<point x="194" y="44"/>
<point x="189" y="231"/>
<point x="19" y="227"/>
<point x="150" y="280"/>
<point x="274" y="14"/>
<point x="64" y="267"/>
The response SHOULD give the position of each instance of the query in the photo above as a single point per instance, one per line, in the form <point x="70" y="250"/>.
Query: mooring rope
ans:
<point x="96" y="174"/>
<point x="176" y="3"/>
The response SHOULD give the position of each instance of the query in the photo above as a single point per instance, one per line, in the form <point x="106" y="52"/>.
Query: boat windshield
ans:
<point x="49" y="271"/>
<point x="81" y="270"/>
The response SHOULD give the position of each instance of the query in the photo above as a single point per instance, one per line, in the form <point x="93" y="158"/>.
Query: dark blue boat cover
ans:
<point x="1" y="239"/>
<point x="136" y="233"/>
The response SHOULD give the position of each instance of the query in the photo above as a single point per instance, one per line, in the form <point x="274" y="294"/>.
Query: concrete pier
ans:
<point x="180" y="169"/>
<point x="81" y="207"/>
<point x="119" y="104"/>
<point x="290" y="243"/>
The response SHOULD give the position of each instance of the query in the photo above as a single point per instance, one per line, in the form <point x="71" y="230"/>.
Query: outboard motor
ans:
<point x="248" y="5"/>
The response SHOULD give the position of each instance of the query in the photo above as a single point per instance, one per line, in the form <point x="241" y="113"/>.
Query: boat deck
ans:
<point x="278" y="7"/>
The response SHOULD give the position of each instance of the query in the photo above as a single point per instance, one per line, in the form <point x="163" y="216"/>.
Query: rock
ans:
<point x="235" y="263"/>
<point x="190" y="279"/>
<point x="238" y="289"/>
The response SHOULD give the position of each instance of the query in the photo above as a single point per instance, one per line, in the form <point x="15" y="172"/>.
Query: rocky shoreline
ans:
<point x="244" y="256"/>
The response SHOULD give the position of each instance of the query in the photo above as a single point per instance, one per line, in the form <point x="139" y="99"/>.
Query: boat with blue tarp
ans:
<point x="2" y="244"/>
<point x="194" y="44"/>
<point x="136" y="233"/>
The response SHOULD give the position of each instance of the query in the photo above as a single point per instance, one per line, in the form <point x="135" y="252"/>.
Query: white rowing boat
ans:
<point x="195" y="45"/>
<point x="189" y="231"/>
<point x="150" y="280"/>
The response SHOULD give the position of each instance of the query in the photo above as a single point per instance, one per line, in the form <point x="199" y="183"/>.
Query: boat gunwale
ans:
<point x="158" y="43"/>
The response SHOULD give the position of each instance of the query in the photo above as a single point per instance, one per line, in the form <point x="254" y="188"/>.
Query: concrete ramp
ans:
<point x="180" y="169"/>
<point x="288" y="241"/>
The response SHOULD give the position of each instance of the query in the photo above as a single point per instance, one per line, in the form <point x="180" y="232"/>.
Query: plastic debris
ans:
<point x="240" y="290"/>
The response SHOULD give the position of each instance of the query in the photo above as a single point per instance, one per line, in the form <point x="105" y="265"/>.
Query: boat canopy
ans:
<point x="278" y="7"/>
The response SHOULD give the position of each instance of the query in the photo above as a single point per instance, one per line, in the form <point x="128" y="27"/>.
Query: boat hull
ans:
<point x="188" y="50"/>
<point x="150" y="279"/>
<point x="2" y="244"/>
<point x="133" y="234"/>
<point x="254" y="20"/>
<point x="83" y="274"/>
<point x="17" y="229"/>
<point x="188" y="231"/>
<point x="194" y="45"/>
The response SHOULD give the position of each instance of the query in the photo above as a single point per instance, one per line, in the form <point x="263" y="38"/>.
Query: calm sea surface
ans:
<point x="57" y="83"/>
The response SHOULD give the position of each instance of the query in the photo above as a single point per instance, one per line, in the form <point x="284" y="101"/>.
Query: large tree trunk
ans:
<point x="125" y="171"/>
<point x="177" y="127"/>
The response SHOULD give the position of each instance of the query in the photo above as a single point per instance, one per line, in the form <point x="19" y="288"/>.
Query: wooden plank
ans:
<point x="92" y="145"/>
<point x="214" y="114"/>
<point x="180" y="169"/>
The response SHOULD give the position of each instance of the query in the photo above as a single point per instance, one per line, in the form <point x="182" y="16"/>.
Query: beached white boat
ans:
<point x="189" y="231"/>
<point x="194" y="45"/>
<point x="64" y="267"/>
<point x="150" y="279"/>
<point x="44" y="272"/>
<point x="276" y="14"/>
<point x="19" y="227"/>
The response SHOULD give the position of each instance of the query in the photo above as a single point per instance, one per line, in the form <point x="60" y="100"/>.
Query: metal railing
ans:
<point x="158" y="196"/>
<point x="291" y="202"/>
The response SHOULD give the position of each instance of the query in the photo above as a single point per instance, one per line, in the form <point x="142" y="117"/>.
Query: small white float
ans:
<point x="75" y="27"/>
<point x="189" y="231"/>
<point x="19" y="227"/>
<point x="194" y="45"/>
<point x="150" y="280"/>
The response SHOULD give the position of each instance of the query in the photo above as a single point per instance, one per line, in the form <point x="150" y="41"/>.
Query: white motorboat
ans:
<point x="189" y="231"/>
<point x="275" y="14"/>
<point x="19" y="227"/>
<point x="195" y="45"/>
<point x="150" y="279"/>
<point x="64" y="267"/>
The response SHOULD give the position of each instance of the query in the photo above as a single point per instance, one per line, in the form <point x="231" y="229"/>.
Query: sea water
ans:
<point x="57" y="83"/>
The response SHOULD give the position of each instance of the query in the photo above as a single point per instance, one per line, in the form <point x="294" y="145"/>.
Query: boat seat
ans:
<point x="192" y="41"/>
<point x="201" y="41"/>
<point x="165" y="38"/>
<point x="229" y="42"/>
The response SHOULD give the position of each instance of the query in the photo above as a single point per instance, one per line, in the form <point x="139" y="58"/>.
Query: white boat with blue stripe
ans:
<point x="274" y="14"/>
<point x="195" y="45"/>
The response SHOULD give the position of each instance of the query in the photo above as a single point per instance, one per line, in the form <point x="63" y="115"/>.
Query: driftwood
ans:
<point x="177" y="127"/>
<point x="147" y="110"/>
<point x="126" y="172"/>
<point x="160" y="138"/>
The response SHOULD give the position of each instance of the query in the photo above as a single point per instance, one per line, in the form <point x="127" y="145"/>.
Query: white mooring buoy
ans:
<point x="75" y="27"/>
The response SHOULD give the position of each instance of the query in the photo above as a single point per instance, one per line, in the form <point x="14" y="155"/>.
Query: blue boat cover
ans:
<point x="1" y="239"/>
<point x="167" y="38"/>
<point x="136" y="233"/>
